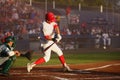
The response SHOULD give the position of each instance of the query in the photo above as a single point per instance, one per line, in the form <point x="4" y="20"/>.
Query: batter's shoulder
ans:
<point x="54" y="23"/>
<point x="44" y="22"/>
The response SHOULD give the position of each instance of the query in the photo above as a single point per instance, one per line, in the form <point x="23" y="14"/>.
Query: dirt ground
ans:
<point x="91" y="71"/>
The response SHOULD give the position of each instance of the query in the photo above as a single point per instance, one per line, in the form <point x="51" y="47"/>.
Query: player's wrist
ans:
<point x="59" y="36"/>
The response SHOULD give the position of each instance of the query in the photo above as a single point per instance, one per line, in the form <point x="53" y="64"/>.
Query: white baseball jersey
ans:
<point x="105" y="35"/>
<point x="47" y="30"/>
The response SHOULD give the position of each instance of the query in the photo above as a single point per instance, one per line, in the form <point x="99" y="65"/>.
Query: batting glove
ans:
<point x="59" y="37"/>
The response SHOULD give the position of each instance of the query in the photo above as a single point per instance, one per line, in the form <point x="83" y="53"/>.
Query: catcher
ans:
<point x="8" y="55"/>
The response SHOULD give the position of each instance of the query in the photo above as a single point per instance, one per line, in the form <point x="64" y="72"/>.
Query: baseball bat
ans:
<point x="48" y="47"/>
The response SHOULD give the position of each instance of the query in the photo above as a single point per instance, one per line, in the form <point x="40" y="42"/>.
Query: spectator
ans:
<point x="97" y="40"/>
<point x="106" y="40"/>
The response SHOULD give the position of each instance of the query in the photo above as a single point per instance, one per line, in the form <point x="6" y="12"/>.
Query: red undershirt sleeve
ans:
<point x="55" y="26"/>
<point x="47" y="36"/>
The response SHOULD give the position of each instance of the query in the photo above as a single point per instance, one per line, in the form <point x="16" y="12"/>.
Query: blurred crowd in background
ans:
<point x="20" y="19"/>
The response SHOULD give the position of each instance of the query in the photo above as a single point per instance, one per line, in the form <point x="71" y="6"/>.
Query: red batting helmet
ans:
<point x="50" y="17"/>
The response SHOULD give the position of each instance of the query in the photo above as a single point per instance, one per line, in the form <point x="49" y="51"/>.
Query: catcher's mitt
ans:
<point x="28" y="55"/>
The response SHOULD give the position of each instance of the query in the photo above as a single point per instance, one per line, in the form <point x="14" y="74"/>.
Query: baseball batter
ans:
<point x="50" y="33"/>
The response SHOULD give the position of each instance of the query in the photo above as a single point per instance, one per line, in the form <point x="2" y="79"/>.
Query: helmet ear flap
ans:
<point x="7" y="40"/>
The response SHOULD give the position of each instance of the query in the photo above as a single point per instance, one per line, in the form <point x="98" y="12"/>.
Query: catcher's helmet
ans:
<point x="50" y="17"/>
<point x="9" y="38"/>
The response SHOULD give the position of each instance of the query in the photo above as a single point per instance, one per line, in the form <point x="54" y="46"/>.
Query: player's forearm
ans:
<point x="57" y="30"/>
